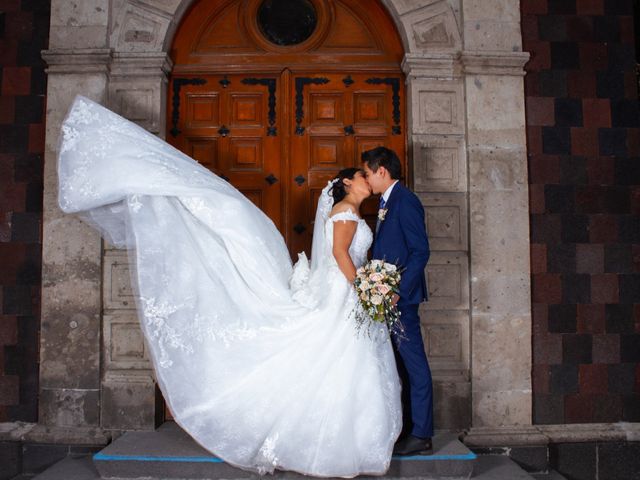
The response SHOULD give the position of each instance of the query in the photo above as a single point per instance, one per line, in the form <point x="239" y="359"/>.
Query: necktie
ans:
<point x="380" y="206"/>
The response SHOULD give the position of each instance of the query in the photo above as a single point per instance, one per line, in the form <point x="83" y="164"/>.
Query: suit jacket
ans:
<point x="402" y="239"/>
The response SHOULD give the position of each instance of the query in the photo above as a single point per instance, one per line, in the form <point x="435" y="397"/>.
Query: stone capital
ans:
<point x="78" y="60"/>
<point x="141" y="64"/>
<point x="432" y="65"/>
<point x="494" y="62"/>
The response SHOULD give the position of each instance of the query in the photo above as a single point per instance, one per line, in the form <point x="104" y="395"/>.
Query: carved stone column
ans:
<point x="437" y="143"/>
<point x="69" y="406"/>
<point x="499" y="214"/>
<point x="137" y="91"/>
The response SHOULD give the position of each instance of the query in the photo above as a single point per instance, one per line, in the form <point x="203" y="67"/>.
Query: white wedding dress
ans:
<point x="260" y="362"/>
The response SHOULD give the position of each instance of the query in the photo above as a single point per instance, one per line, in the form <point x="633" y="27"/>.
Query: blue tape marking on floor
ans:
<point x="466" y="456"/>
<point x="147" y="458"/>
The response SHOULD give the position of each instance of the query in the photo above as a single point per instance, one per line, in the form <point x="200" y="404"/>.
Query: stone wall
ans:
<point x="583" y="144"/>
<point x="24" y="32"/>
<point x="466" y="133"/>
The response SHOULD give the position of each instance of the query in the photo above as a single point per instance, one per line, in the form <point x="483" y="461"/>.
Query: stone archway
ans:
<point x="466" y="138"/>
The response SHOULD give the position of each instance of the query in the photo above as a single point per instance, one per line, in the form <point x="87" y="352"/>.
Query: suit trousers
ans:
<point x="415" y="374"/>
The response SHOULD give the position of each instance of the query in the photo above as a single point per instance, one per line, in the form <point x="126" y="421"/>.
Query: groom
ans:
<point x="401" y="239"/>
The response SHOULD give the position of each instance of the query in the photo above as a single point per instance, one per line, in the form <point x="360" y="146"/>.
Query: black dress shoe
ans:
<point x="411" y="445"/>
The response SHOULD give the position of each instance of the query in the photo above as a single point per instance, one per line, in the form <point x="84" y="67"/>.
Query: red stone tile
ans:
<point x="596" y="112"/>
<point x="541" y="378"/>
<point x="7" y="110"/>
<point x="16" y="81"/>
<point x="544" y="169"/>
<point x="630" y="85"/>
<point x="536" y="199"/>
<point x="5" y="229"/>
<point x="578" y="408"/>
<point x="540" y="319"/>
<point x="9" y="390"/>
<point x="538" y="258"/>
<point x="589" y="258"/>
<point x="626" y="29"/>
<point x="589" y="7"/>
<point x="10" y="5"/>
<point x="633" y="142"/>
<point x="8" y="52"/>
<point x="529" y="26"/>
<point x="8" y="330"/>
<point x="12" y="257"/>
<point x="593" y="378"/>
<point x="12" y="197"/>
<point x="603" y="229"/>
<point x="606" y="348"/>
<point x="547" y="349"/>
<point x="584" y="141"/>
<point x="601" y="170"/>
<point x="36" y="137"/>
<point x="635" y="256"/>
<point x="531" y="84"/>
<point x="590" y="318"/>
<point x="540" y="55"/>
<point x="6" y="167"/>
<point x="547" y="288"/>
<point x="579" y="28"/>
<point x="581" y="84"/>
<point x="533" y="6"/>
<point x="19" y="25"/>
<point x="604" y="288"/>
<point x="540" y="111"/>
<point x="607" y="408"/>
<point x="593" y="57"/>
<point x="534" y="140"/>
<point x="589" y="199"/>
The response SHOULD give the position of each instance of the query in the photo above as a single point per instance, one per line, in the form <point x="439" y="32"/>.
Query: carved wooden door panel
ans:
<point x="281" y="149"/>
<point x="337" y="117"/>
<point x="229" y="124"/>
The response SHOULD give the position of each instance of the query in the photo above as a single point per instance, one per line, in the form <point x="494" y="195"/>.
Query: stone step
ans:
<point x="487" y="467"/>
<point x="71" y="468"/>
<point x="170" y="453"/>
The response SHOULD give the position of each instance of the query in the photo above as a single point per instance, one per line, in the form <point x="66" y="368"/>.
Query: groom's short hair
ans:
<point x="383" y="157"/>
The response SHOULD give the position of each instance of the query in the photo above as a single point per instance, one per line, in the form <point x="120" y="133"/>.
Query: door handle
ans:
<point x="224" y="131"/>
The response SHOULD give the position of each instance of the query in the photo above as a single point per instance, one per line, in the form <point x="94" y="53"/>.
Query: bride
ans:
<point x="260" y="361"/>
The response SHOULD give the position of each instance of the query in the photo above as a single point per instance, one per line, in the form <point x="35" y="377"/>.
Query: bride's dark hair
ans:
<point x="338" y="191"/>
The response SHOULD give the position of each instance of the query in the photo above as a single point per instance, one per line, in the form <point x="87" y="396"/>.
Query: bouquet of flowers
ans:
<point x="376" y="283"/>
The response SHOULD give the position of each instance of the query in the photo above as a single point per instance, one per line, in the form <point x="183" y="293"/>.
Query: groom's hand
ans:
<point x="395" y="299"/>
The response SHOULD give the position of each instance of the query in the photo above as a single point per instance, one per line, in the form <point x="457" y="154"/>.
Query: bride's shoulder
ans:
<point x="343" y="211"/>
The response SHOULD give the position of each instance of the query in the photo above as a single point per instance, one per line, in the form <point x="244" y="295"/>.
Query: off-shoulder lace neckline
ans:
<point x="348" y="211"/>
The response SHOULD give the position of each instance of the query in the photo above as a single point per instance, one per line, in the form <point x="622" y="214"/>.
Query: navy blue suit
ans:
<point x="402" y="239"/>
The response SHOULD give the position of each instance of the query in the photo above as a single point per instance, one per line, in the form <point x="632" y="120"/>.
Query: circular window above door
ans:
<point x="287" y="26"/>
<point x="287" y="22"/>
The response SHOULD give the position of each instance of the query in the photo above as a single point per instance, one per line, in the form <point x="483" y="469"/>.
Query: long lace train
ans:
<point x="262" y="372"/>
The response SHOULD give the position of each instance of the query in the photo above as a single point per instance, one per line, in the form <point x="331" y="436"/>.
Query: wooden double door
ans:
<point x="279" y="137"/>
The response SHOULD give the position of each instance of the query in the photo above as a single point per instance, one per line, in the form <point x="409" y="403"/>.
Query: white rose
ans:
<point x="376" y="277"/>
<point x="376" y="263"/>
<point x="364" y="285"/>
<point x="376" y="299"/>
<point x="390" y="267"/>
